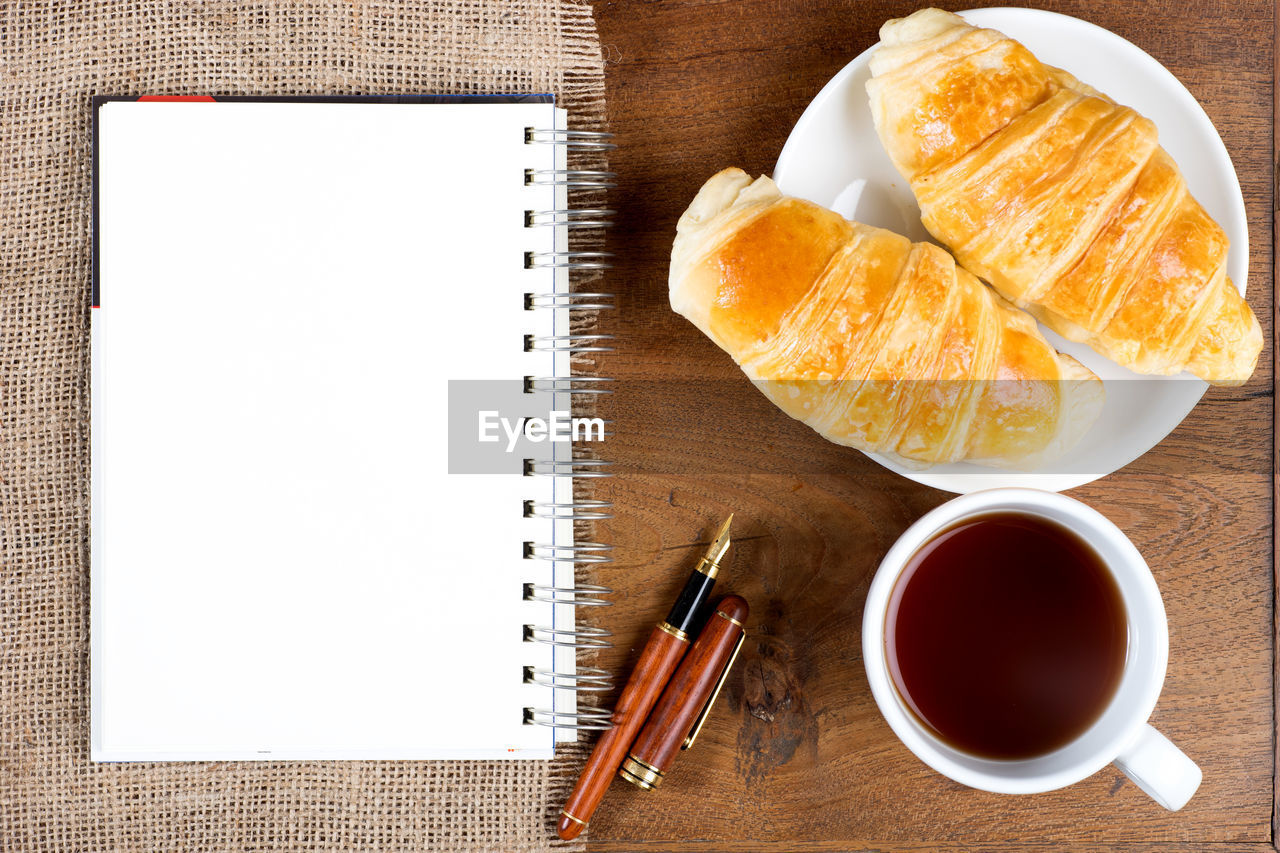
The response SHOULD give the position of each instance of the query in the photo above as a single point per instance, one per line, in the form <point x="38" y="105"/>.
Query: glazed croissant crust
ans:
<point x="1060" y="198"/>
<point x="873" y="341"/>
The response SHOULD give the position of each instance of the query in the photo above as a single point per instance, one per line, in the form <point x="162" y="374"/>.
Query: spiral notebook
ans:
<point x="325" y="523"/>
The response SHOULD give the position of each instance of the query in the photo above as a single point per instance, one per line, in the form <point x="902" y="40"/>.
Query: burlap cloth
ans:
<point x="53" y="57"/>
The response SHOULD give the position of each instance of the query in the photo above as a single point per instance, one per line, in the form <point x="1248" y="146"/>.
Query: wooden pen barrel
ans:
<point x="658" y="660"/>
<point x="686" y="695"/>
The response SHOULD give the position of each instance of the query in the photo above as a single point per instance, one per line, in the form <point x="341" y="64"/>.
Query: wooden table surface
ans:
<point x="796" y="755"/>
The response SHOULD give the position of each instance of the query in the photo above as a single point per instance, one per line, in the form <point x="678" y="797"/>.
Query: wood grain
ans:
<point x="796" y="756"/>
<point x="1275" y="426"/>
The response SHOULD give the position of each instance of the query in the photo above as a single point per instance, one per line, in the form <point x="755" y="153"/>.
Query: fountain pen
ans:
<point x="667" y="645"/>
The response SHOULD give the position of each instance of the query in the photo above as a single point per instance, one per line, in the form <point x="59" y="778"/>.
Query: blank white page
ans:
<point x="282" y="565"/>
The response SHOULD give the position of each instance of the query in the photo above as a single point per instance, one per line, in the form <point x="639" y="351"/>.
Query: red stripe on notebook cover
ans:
<point x="176" y="98"/>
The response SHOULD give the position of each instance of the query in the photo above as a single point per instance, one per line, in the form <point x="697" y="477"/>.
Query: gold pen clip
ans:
<point x="702" y="715"/>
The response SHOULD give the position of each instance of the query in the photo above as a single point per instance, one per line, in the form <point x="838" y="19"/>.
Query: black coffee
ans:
<point x="1006" y="636"/>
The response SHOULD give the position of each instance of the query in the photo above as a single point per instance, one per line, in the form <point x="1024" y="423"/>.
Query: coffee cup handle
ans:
<point x="1160" y="769"/>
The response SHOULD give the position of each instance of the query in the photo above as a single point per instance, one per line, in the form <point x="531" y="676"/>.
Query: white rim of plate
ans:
<point x="963" y="478"/>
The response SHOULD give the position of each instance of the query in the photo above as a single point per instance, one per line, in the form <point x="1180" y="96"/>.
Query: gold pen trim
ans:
<point x="673" y="631"/>
<point x="710" y="568"/>
<point x="572" y="818"/>
<point x="702" y="715"/>
<point x="729" y="618"/>
<point x="640" y="774"/>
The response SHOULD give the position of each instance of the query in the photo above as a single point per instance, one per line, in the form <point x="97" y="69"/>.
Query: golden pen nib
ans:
<point x="711" y="560"/>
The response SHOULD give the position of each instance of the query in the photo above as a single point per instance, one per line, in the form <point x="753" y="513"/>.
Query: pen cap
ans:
<point x="688" y="695"/>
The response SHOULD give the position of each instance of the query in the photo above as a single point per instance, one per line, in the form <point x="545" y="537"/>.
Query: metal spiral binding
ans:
<point x="578" y="552"/>
<point x="567" y="384"/>
<point x="588" y="679"/>
<point x="584" y="679"/>
<point x="586" y="595"/>
<point x="569" y="343"/>
<point x="567" y="260"/>
<point x="566" y="468"/>
<point x="572" y="219"/>
<point x="579" y="301"/>
<point x="586" y="510"/>
<point x="572" y="178"/>
<point x="577" y="638"/>
<point x="581" y="139"/>
<point x="583" y="719"/>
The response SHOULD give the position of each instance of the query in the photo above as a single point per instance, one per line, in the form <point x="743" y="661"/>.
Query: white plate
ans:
<point x="834" y="157"/>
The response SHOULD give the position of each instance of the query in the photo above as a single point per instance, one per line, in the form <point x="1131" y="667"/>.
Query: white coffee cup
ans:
<point x="1120" y="734"/>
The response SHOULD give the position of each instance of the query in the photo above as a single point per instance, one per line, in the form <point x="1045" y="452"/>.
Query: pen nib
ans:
<point x="719" y="545"/>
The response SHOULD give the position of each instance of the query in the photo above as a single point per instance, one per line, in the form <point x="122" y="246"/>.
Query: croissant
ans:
<point x="1060" y="198"/>
<point x="874" y="341"/>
